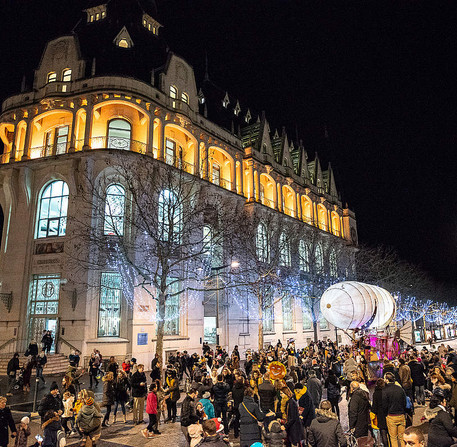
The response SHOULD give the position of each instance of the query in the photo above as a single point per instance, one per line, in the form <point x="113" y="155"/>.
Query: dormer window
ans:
<point x="226" y="100"/>
<point x="173" y="92"/>
<point x="66" y="75"/>
<point x="237" y="109"/>
<point x="150" y="24"/>
<point x="52" y="77"/>
<point x="95" y="14"/>
<point x="248" y="116"/>
<point x="123" y="43"/>
<point x="185" y="97"/>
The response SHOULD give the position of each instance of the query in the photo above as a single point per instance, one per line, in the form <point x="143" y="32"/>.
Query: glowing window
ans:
<point x="145" y="24"/>
<point x="97" y="16"/>
<point x="103" y="14"/>
<point x="170" y="152"/>
<point x="119" y="134"/>
<point x="61" y="140"/>
<point x="170" y="217"/>
<point x="91" y="17"/>
<point x="185" y="98"/>
<point x="109" y="311"/>
<point x="66" y="75"/>
<point x="216" y="174"/>
<point x="52" y="77"/>
<point x="52" y="214"/>
<point x="262" y="245"/>
<point x="173" y="92"/>
<point x="123" y="43"/>
<point x="114" y="210"/>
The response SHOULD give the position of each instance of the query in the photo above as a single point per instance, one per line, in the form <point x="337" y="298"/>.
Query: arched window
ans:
<point x="66" y="75"/>
<point x="114" y="210"/>
<point x="303" y="256"/>
<point x="262" y="246"/>
<point x="319" y="259"/>
<point x="333" y="264"/>
<point x="52" y="77"/>
<point x="185" y="97"/>
<point x="52" y="215"/>
<point x="173" y="92"/>
<point x="284" y="250"/>
<point x="170" y="217"/>
<point x="119" y="134"/>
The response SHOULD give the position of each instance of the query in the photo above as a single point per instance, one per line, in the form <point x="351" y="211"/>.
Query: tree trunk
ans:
<point x="315" y="330"/>
<point x="160" y="326"/>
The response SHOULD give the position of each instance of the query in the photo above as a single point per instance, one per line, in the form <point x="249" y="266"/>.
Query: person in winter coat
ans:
<point x="239" y="385"/>
<point x="121" y="393"/>
<point x="188" y="413"/>
<point x="404" y="373"/>
<point x="394" y="406"/>
<point x="40" y="363"/>
<point x="378" y="410"/>
<point x="220" y="392"/>
<point x="267" y="394"/>
<point x="275" y="435"/>
<point x="11" y="370"/>
<point x="358" y="411"/>
<point x="6" y="421"/>
<point x="94" y="366"/>
<point x="67" y="415"/>
<point x="208" y="407"/>
<point x="325" y="429"/>
<point x="250" y="416"/>
<point x="32" y="349"/>
<point x="139" y="391"/>
<point x="333" y="391"/>
<point x="314" y="386"/>
<point x="294" y="426"/>
<point x="418" y="377"/>
<point x="23" y="432"/>
<point x="211" y="437"/>
<point x="51" y="401"/>
<point x="305" y="404"/>
<point x="151" y="410"/>
<point x="108" y="396"/>
<point x="50" y="426"/>
<point x="89" y="421"/>
<point x="441" y="430"/>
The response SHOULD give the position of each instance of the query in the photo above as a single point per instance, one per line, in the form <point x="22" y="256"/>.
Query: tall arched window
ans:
<point x="333" y="264"/>
<point x="119" y="134"/>
<point x="319" y="259"/>
<point x="66" y="75"/>
<point x="173" y="92"/>
<point x="52" y="77"/>
<point x="303" y="256"/>
<point x="114" y="210"/>
<point x="170" y="217"/>
<point x="52" y="215"/>
<point x="284" y="250"/>
<point x="262" y="246"/>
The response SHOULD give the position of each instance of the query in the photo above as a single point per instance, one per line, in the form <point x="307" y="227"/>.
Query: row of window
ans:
<point x="66" y="76"/>
<point x="304" y="253"/>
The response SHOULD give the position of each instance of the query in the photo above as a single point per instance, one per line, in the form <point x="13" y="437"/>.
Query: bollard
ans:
<point x="35" y="394"/>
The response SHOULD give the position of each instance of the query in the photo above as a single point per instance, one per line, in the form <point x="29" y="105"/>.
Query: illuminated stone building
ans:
<point x="113" y="85"/>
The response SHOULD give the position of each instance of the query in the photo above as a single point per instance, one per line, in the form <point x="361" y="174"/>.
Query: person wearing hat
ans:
<point x="441" y="430"/>
<point x="207" y="405"/>
<point x="51" y="401"/>
<point x="6" y="420"/>
<point x="23" y="432"/>
<point x="89" y="421"/>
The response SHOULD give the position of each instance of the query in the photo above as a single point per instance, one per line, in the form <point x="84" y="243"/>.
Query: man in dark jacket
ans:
<point x="326" y="430"/>
<point x="237" y="396"/>
<point x="139" y="391"/>
<point x="418" y="376"/>
<point x="267" y="394"/>
<point x="250" y="415"/>
<point x="6" y="420"/>
<point x="11" y="369"/>
<point x="51" y="401"/>
<point x="220" y="391"/>
<point x="394" y="407"/>
<point x="188" y="413"/>
<point x="314" y="386"/>
<point x="358" y="411"/>
<point x="210" y="436"/>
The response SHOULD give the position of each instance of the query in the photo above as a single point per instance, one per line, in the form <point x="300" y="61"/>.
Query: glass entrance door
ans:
<point x="44" y="307"/>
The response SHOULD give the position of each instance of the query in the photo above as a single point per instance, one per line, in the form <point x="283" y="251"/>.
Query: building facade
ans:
<point x="110" y="88"/>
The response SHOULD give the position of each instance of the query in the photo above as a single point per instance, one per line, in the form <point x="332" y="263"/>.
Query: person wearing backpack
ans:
<point x="333" y="391"/>
<point x="89" y="421"/>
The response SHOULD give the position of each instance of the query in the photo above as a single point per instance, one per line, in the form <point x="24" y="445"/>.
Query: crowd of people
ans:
<point x="278" y="396"/>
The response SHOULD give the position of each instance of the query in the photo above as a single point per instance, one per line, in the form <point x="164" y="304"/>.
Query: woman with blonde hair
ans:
<point x="108" y="396"/>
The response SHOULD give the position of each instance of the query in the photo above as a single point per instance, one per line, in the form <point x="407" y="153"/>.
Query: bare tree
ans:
<point x="152" y="223"/>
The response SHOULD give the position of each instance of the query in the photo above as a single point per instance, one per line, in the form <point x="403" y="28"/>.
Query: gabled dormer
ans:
<point x="123" y="39"/>
<point x="96" y="13"/>
<point x="151" y="24"/>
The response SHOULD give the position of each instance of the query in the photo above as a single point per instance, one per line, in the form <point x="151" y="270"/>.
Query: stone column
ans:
<point x="73" y="133"/>
<point x="233" y="174"/>
<point x="251" y="197"/>
<point x="150" y="140"/>
<point x="27" y="140"/>
<point x="88" y="125"/>
<point x="161" y="148"/>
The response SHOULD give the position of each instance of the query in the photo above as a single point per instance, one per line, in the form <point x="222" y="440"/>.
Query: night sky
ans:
<point x="380" y="76"/>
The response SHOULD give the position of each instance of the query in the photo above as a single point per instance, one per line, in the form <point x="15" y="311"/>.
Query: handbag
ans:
<point x="258" y="422"/>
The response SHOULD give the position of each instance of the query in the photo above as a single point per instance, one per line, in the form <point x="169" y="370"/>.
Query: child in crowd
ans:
<point x="68" y="401"/>
<point x="23" y="432"/>
<point x="275" y="435"/>
<point x="151" y="410"/>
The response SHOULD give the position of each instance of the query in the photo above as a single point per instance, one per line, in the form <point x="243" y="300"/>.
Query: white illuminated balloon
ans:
<point x="351" y="305"/>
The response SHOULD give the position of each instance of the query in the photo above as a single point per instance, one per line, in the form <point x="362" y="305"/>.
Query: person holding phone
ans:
<point x="6" y="421"/>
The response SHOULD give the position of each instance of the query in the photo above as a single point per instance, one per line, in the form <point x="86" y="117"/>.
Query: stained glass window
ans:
<point x="114" y="210"/>
<point x="109" y="311"/>
<point x="44" y="295"/>
<point x="52" y="215"/>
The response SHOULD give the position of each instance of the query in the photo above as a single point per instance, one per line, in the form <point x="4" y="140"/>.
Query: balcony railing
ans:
<point x="49" y="149"/>
<point x="119" y="143"/>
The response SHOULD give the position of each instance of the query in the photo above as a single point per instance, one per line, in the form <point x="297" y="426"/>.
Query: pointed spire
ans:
<point x="276" y="134"/>
<point x="23" y="85"/>
<point x="258" y="119"/>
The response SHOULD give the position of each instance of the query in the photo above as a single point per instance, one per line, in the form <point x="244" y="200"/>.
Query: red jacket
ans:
<point x="126" y="367"/>
<point x="151" y="403"/>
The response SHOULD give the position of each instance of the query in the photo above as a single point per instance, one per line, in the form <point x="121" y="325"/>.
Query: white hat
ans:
<point x="25" y="420"/>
